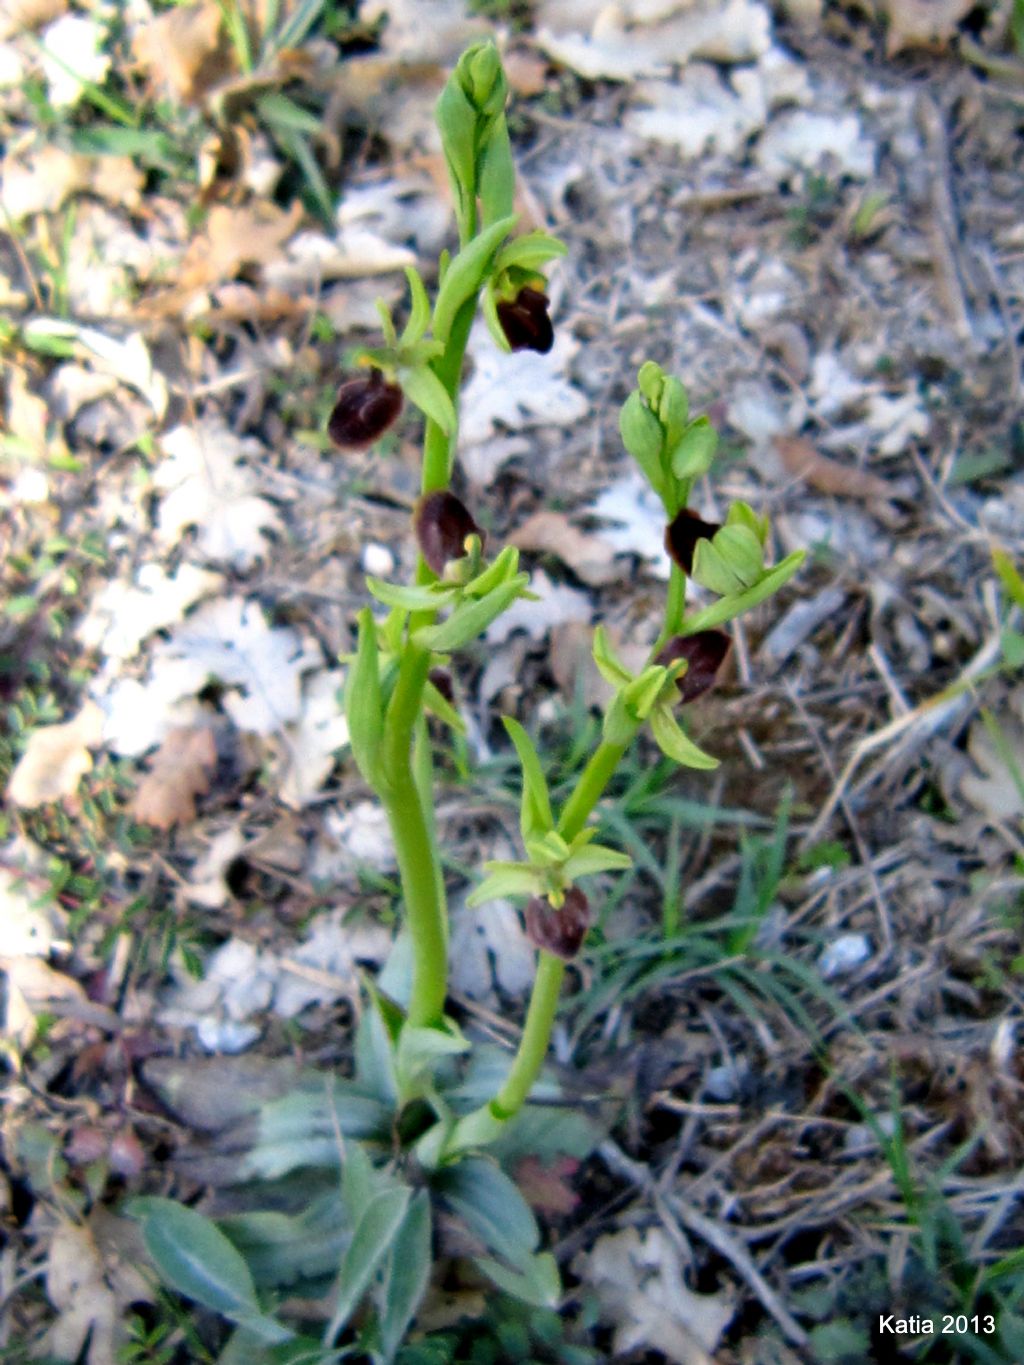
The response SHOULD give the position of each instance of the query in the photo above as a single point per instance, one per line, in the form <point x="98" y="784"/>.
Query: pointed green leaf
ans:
<point x="535" y="807"/>
<point x="371" y="1241"/>
<point x="676" y="745"/>
<point x="728" y="607"/>
<point x="438" y="705"/>
<point x="502" y="570"/>
<point x="422" y="387"/>
<point x="363" y="708"/>
<point x="470" y="619"/>
<point x="467" y="273"/>
<point x="491" y="1206"/>
<point x="536" y="1282"/>
<point x="419" y="314"/>
<point x="609" y="665"/>
<point x="406" y="1276"/>
<point x="195" y="1258"/>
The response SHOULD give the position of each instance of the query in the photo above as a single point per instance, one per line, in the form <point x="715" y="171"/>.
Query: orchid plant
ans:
<point x="425" y="1109"/>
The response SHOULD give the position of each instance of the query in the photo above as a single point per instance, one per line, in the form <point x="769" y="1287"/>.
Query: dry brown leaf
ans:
<point x="91" y="1278"/>
<point x="923" y="23"/>
<point x="56" y="759"/>
<point x="590" y="558"/>
<point x="186" y="50"/>
<point x="996" y="754"/>
<point x="547" y="1186"/>
<point x="527" y="72"/>
<point x="232" y="238"/>
<point x="803" y="461"/>
<point x="41" y="181"/>
<point x="18" y="16"/>
<point x="179" y="772"/>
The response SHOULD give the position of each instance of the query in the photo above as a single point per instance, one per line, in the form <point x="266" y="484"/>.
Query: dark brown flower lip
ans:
<point x="682" y="534"/>
<point x="560" y="932"/>
<point x="442" y="523"/>
<point x="704" y="654"/>
<point x="364" y="409"/>
<point x="525" y="321"/>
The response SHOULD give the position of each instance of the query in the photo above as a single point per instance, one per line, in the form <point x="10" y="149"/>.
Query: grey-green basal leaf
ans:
<point x="535" y="1282"/>
<point x="406" y="1276"/>
<point x="371" y="1240"/>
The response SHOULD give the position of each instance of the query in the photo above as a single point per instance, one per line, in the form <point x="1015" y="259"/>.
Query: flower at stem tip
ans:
<point x="443" y="524"/>
<point x="703" y="652"/>
<point x="525" y="321"/>
<point x="364" y="409"/>
<point x="560" y="932"/>
<point x="682" y="534"/>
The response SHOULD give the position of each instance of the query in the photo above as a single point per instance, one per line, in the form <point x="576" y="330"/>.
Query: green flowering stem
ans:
<point x="533" y="1045"/>
<point x="437" y="447"/>
<point x="415" y="846"/>
<point x="590" y="788"/>
<point x="675" y="608"/>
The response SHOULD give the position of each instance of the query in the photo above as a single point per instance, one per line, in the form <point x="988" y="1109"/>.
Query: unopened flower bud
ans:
<point x="703" y="653"/>
<point x="366" y="406"/>
<point x="682" y="534"/>
<point x="559" y="931"/>
<point x="525" y="321"/>
<point x="442" y="523"/>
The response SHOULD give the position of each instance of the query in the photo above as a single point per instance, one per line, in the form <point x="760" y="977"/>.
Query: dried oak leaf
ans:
<point x="923" y="23"/>
<point x="187" y="50"/>
<point x="802" y="461"/>
<point x="180" y="771"/>
<point x="590" y="557"/>
<point x="56" y="758"/>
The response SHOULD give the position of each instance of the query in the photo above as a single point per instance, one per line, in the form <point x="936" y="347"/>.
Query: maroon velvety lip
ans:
<point x="560" y="932"/>
<point x="703" y="652"/>
<point x="682" y="534"/>
<point x="525" y="321"/>
<point x="442" y="523"/>
<point x="364" y="409"/>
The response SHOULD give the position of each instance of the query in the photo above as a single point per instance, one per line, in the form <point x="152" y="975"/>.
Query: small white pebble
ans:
<point x="844" y="954"/>
<point x="378" y="560"/>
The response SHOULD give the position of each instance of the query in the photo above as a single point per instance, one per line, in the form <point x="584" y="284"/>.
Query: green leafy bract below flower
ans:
<point x="672" y="742"/>
<point x="466" y="273"/>
<point x="535" y="817"/>
<point x="735" y="604"/>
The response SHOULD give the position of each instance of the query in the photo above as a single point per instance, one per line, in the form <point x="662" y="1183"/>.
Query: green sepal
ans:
<point x="695" y="451"/>
<point x="742" y="514"/>
<point x="584" y="862"/>
<point x="421" y="386"/>
<point x="547" y="850"/>
<point x="649" y="379"/>
<point x="672" y="742"/>
<point x="729" y="563"/>
<point x="642" y="436"/>
<point x="530" y="252"/>
<point x="456" y="121"/>
<point x="419" y="314"/>
<point x="467" y="273"/>
<point x="438" y="705"/>
<point x="728" y="607"/>
<point x="489" y="308"/>
<point x="535" y="808"/>
<point x="502" y="570"/>
<point x="469" y="619"/>
<point x="618" y="726"/>
<point x="410" y="596"/>
<point x="641" y="694"/>
<point x="609" y="665"/>
<point x="506" y="879"/>
<point x="673" y="410"/>
<point x="364" y="709"/>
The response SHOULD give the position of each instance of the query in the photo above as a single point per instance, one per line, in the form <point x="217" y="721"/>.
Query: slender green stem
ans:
<point x="533" y="1046"/>
<point x="589" y="789"/>
<point x="675" y="608"/>
<point x="416" y="860"/>
<point x="415" y="846"/>
<point x="438" y="448"/>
